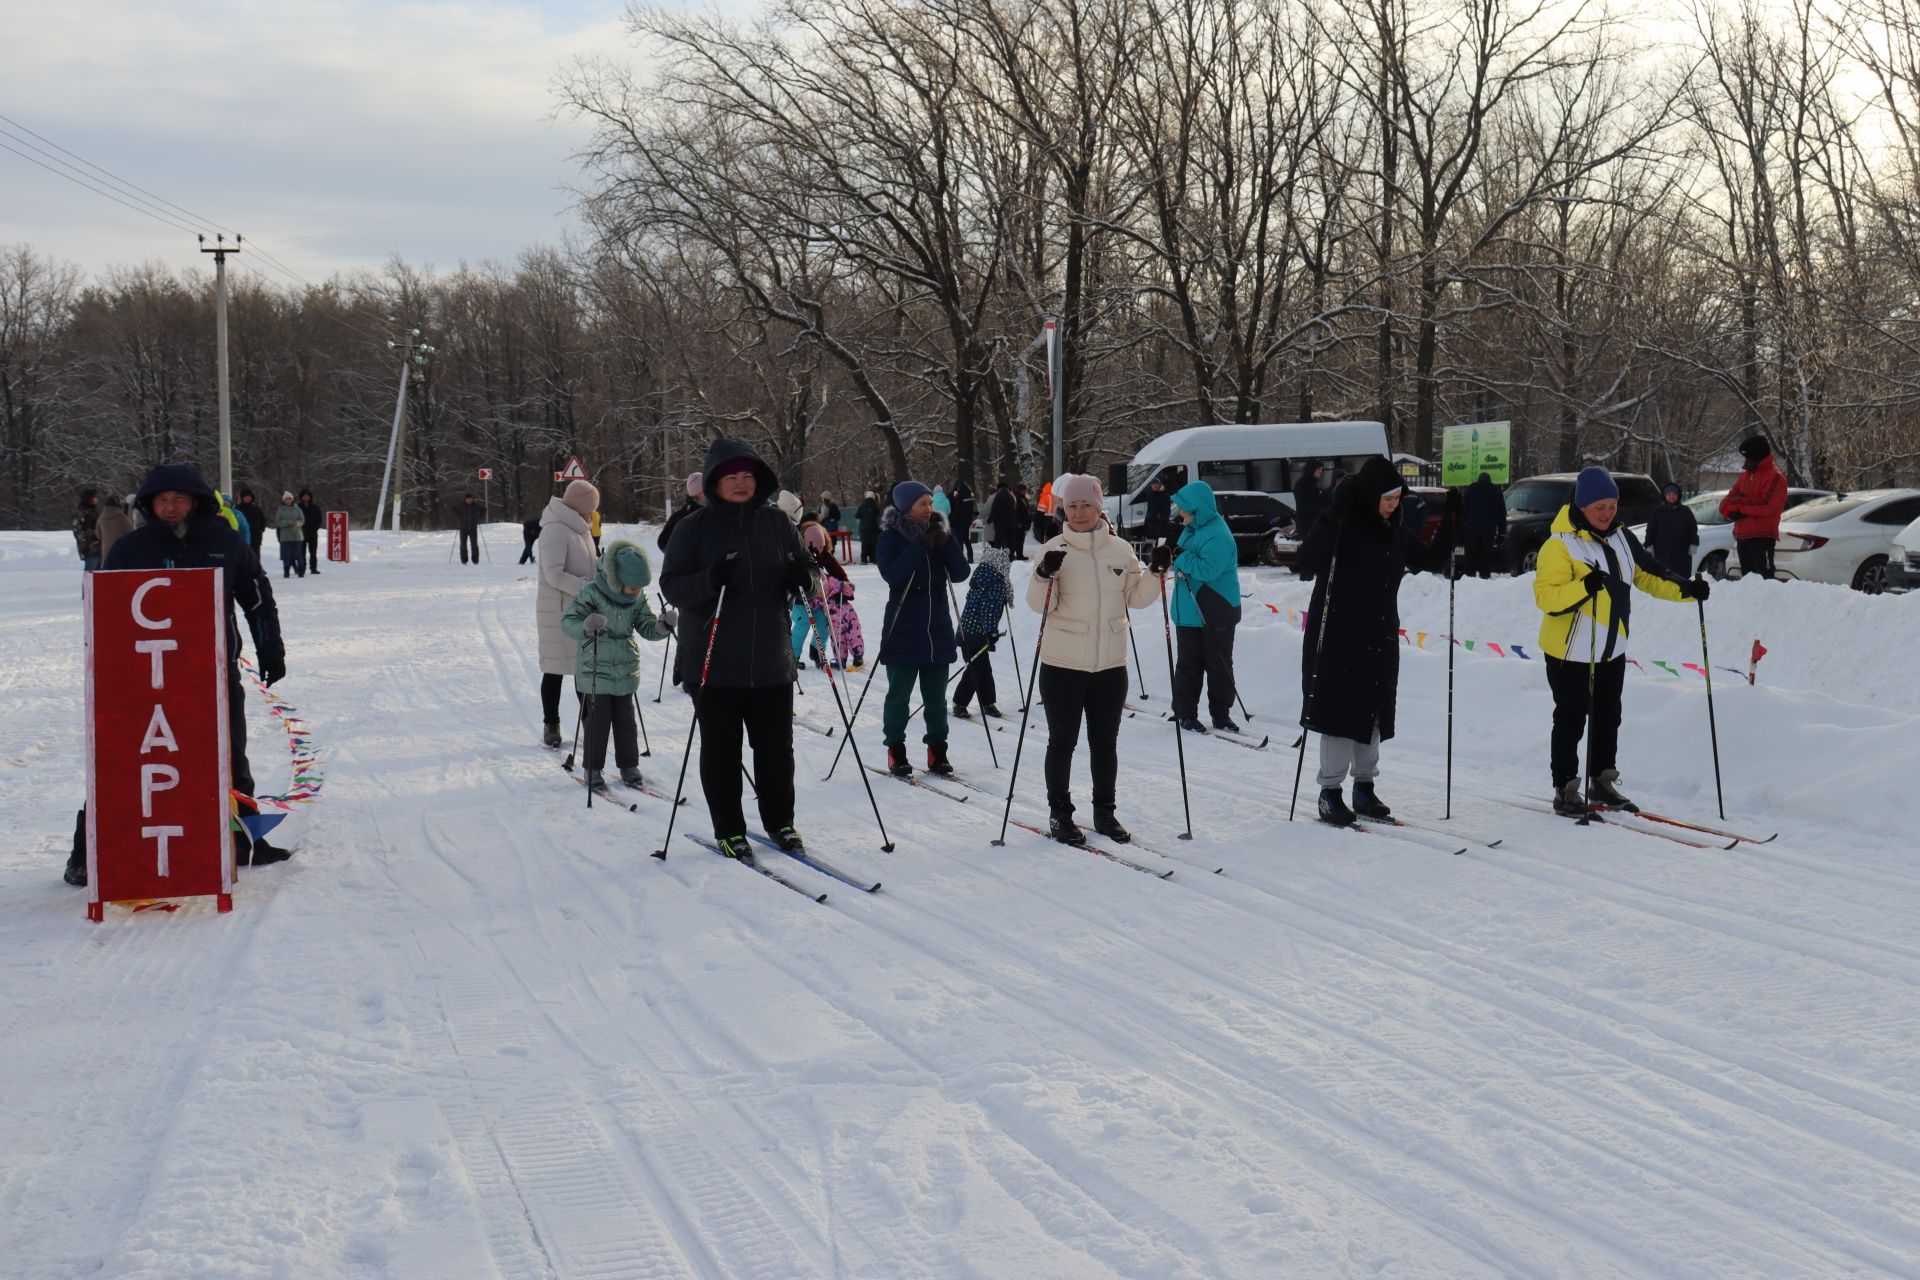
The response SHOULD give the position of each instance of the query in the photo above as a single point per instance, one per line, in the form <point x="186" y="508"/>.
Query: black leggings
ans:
<point x="1096" y="697"/>
<point x="550" y="698"/>
<point x="1568" y="680"/>
<point x="765" y="715"/>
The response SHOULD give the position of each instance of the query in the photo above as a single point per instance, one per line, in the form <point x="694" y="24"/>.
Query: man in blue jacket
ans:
<point x="1206" y="607"/>
<point x="184" y="530"/>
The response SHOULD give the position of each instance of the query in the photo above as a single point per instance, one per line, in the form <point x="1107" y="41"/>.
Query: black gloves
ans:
<point x="1160" y="559"/>
<point x="936" y="535"/>
<point x="1698" y="589"/>
<point x="1616" y="589"/>
<point x="273" y="665"/>
<point x="1050" y="563"/>
<point x="722" y="571"/>
<point x="799" y="573"/>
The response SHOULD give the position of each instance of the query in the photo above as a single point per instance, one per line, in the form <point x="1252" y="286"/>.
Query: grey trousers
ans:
<point x="1338" y="755"/>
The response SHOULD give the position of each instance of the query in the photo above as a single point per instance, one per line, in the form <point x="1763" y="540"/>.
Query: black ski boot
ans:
<point x="550" y="735"/>
<point x="1226" y="723"/>
<point x="1109" y="826"/>
<point x="1568" y="802"/>
<point x="991" y="711"/>
<point x="1603" y="792"/>
<point x="1192" y="724"/>
<point x="1366" y="804"/>
<point x="937" y="761"/>
<point x="962" y="712"/>
<point x="597" y="781"/>
<point x="789" y="840"/>
<point x="630" y="776"/>
<point x="263" y="854"/>
<point x="897" y="761"/>
<point x="1060" y="826"/>
<point x="1333" y="808"/>
<point x="76" y="872"/>
<point x="735" y="847"/>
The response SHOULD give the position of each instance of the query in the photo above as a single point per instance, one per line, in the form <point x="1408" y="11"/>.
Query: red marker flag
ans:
<point x="1759" y="652"/>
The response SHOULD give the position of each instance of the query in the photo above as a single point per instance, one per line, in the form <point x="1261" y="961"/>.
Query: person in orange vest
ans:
<point x="1044" y="523"/>
<point x="594" y="531"/>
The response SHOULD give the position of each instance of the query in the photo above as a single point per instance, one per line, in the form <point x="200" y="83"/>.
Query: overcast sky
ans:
<point x="337" y="132"/>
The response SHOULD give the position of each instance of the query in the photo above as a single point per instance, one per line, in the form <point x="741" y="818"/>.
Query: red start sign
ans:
<point x="337" y="536"/>
<point x="157" y="764"/>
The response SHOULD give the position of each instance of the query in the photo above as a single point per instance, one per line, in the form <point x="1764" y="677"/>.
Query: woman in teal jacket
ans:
<point x="1206" y="607"/>
<point x="606" y="621"/>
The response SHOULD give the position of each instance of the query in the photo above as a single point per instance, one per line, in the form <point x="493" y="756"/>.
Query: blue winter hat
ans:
<point x="630" y="568"/>
<point x="908" y="492"/>
<point x="1594" y="485"/>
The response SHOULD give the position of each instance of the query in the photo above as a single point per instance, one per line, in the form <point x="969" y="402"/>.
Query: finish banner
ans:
<point x="157" y="750"/>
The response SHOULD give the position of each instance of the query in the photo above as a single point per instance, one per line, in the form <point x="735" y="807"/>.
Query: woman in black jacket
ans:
<point x="1357" y="552"/>
<point x="741" y="545"/>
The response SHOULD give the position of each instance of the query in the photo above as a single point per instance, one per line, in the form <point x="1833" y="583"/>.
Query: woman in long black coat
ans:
<point x="1358" y="552"/>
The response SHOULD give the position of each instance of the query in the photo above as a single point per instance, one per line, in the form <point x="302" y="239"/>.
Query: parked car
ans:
<point x="1903" y="561"/>
<point x="1253" y="518"/>
<point x="1846" y="539"/>
<point x="1281" y="545"/>
<point x="1716" y="531"/>
<point x="1532" y="504"/>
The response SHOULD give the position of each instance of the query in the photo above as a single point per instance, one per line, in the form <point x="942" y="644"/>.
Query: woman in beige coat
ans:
<point x="1084" y="582"/>
<point x="567" y="563"/>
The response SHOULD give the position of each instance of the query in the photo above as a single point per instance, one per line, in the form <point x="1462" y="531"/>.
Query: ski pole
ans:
<point x="1586" y="759"/>
<point x="1313" y="678"/>
<point x="1138" y="667"/>
<point x="1706" y="669"/>
<point x="693" y="726"/>
<point x="590" y="715"/>
<point x="1450" y="581"/>
<point x="666" y="657"/>
<point x="846" y="721"/>
<point x="1026" y="713"/>
<point x="581" y="712"/>
<point x="872" y="667"/>
<point x="1013" y="641"/>
<point x="985" y="728"/>
<point x="1179" y="736"/>
<point x="641" y="716"/>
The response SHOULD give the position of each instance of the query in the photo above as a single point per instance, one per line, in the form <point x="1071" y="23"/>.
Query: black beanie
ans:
<point x="1754" y="448"/>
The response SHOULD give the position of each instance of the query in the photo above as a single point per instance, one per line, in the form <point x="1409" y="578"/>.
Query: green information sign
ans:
<point x="1467" y="451"/>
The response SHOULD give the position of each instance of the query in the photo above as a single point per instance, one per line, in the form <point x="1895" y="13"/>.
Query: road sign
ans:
<point x="157" y="751"/>
<point x="1479" y="446"/>
<point x="573" y="470"/>
<point x="486" y="473"/>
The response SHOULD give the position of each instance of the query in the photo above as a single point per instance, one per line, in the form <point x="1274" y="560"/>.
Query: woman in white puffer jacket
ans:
<point x="1084" y="582"/>
<point x="567" y="563"/>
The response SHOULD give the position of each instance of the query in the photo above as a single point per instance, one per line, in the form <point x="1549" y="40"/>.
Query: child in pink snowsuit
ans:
<point x="848" y="645"/>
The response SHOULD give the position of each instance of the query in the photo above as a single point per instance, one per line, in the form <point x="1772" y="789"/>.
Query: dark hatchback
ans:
<point x="1532" y="504"/>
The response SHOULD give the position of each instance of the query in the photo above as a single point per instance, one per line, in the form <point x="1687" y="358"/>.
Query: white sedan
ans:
<point x="1716" y="531"/>
<point x="1845" y="539"/>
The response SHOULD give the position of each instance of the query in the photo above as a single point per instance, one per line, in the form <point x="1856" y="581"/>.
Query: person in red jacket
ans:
<point x="1754" y="505"/>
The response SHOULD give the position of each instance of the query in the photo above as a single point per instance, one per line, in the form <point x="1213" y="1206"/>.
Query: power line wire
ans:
<point x="103" y="170"/>
<point x="82" y="182"/>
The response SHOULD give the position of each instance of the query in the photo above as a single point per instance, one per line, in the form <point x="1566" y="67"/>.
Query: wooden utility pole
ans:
<point x="220" y="251"/>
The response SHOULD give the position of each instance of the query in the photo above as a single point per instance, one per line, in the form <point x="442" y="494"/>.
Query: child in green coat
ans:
<point x="605" y="620"/>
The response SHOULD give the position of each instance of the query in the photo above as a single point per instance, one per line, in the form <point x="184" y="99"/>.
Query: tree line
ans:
<point x="838" y="228"/>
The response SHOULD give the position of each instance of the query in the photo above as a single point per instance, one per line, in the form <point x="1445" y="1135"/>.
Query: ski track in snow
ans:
<point x="471" y="1030"/>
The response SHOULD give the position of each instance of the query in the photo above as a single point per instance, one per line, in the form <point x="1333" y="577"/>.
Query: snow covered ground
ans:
<point x="473" y="1030"/>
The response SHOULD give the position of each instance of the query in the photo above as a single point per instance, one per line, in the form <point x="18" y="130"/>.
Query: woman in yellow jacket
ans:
<point x="1584" y="585"/>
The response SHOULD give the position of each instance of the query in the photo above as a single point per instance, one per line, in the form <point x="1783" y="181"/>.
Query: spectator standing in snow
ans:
<point x="567" y="565"/>
<point x="1485" y="513"/>
<point x="529" y="531"/>
<point x="1309" y="499"/>
<point x="1587" y="571"/>
<point x="944" y="505"/>
<point x="313" y="523"/>
<point x="867" y="517"/>
<point x="468" y="515"/>
<point x="732" y="569"/>
<point x="965" y="510"/>
<point x="918" y="558"/>
<point x="1754" y="505"/>
<point x="1673" y="533"/>
<point x="829" y="513"/>
<point x="86" y="534"/>
<point x="1159" y="511"/>
<point x="692" y="504"/>
<point x="114" y="524"/>
<point x="593" y="530"/>
<point x="1002" y="519"/>
<point x="1358" y="552"/>
<point x="289" y="528"/>
<point x="607" y="620"/>
<point x="1085" y="582"/>
<point x="1022" y="521"/>
<point x="988" y="590"/>
<point x="1205" y="607"/>
<point x="184" y="530"/>
<point x="249" y="508"/>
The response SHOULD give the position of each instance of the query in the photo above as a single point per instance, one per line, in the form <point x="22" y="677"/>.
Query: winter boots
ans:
<point x="897" y="760"/>
<point x="937" y="761"/>
<point x="1060" y="825"/>
<point x="789" y="840"/>
<point x="1192" y="725"/>
<point x="1366" y="804"/>
<point x="991" y="711"/>
<point x="630" y="777"/>
<point x="1568" y="802"/>
<point x="1333" y="808"/>
<point x="735" y="847"/>
<point x="1603" y="792"/>
<point x="550" y="735"/>
<point x="962" y="712"/>
<point x="262" y="854"/>
<point x="597" y="781"/>
<point x="1109" y="826"/>
<point x="1225" y="723"/>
